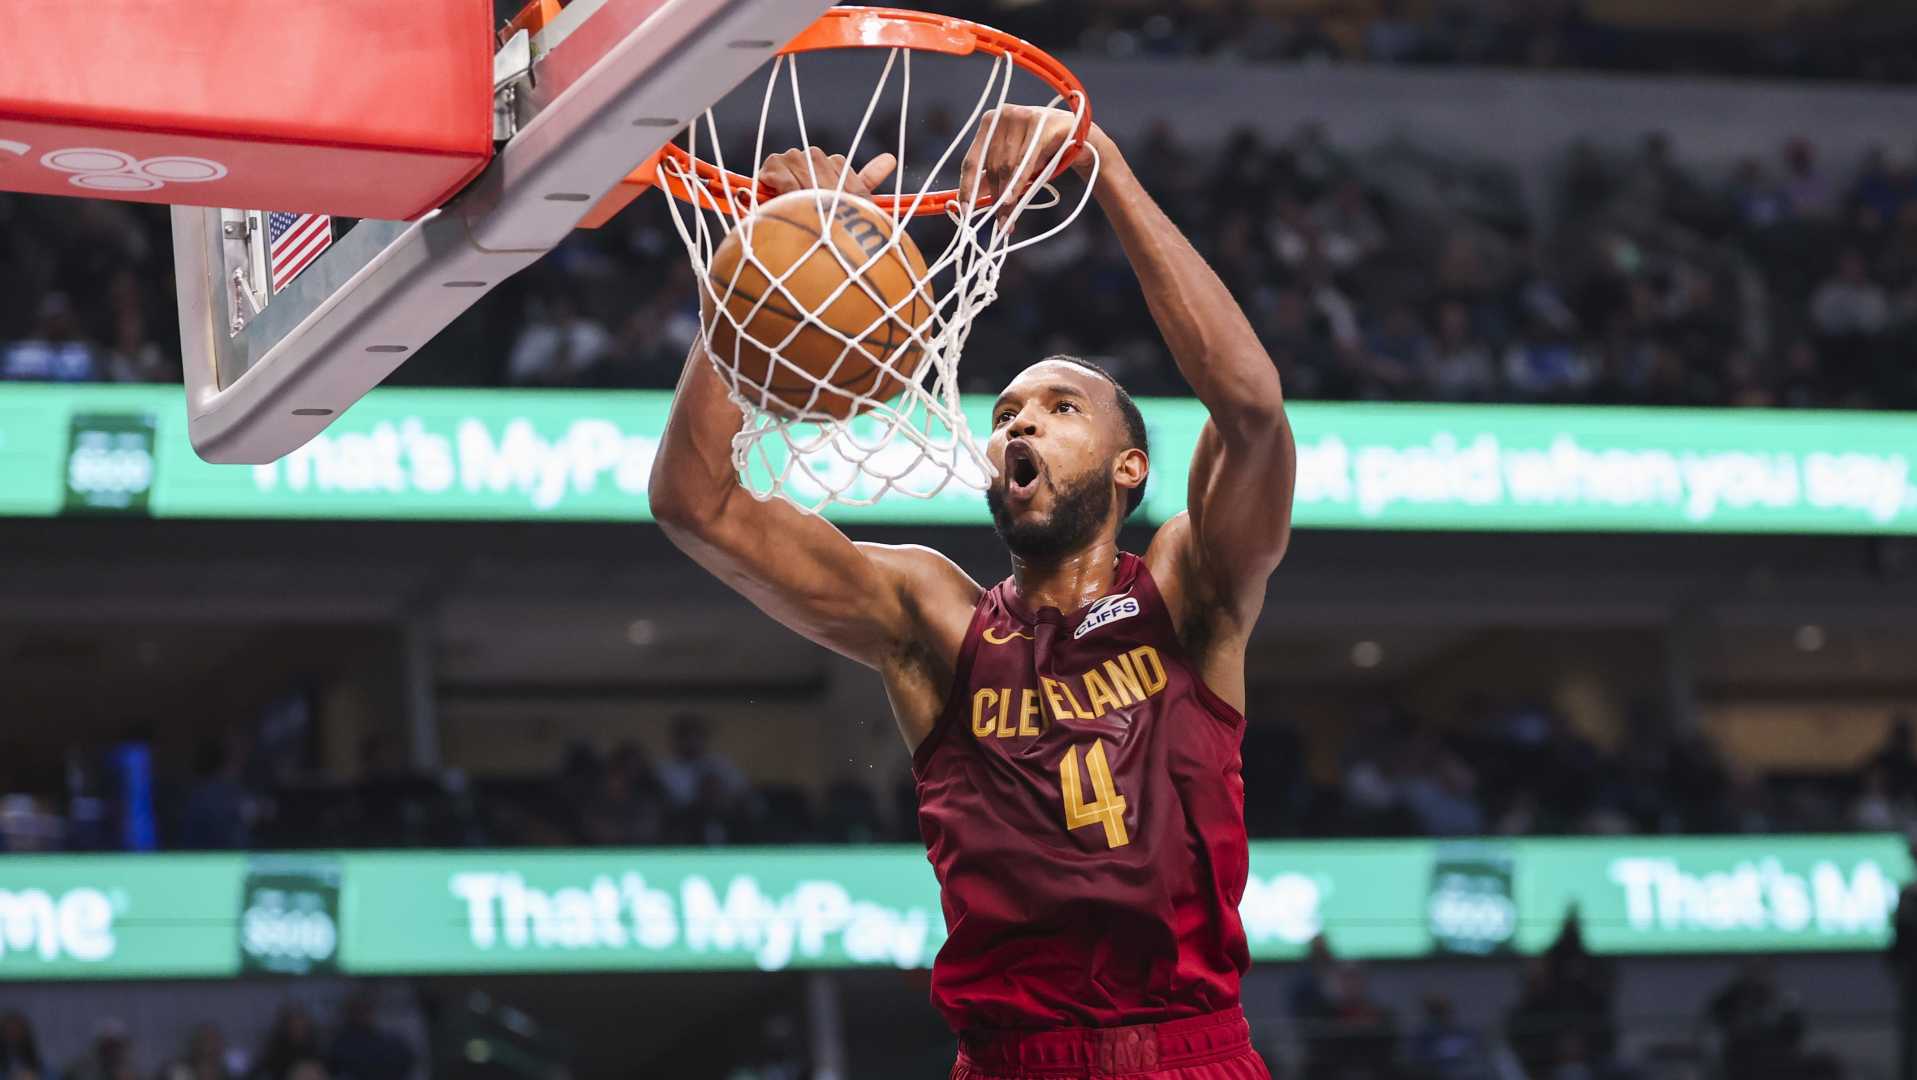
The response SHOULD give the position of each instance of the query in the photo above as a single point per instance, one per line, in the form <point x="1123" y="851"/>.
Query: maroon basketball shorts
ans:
<point x="1214" y="1047"/>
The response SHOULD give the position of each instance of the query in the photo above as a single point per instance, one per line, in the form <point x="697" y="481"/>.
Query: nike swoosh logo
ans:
<point x="994" y="636"/>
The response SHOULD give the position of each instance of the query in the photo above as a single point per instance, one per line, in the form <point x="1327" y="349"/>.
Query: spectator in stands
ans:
<point x="1346" y="226"/>
<point x="720" y="813"/>
<point x="19" y="1050"/>
<point x="1902" y="958"/>
<point x="624" y="804"/>
<point x="1801" y="385"/>
<point x="1812" y="196"/>
<point x="27" y="824"/>
<point x="559" y="345"/>
<point x="1700" y="783"/>
<point x="1849" y="303"/>
<point x="656" y="336"/>
<point x="204" y="1059"/>
<point x="1360" y="1035"/>
<point x="109" y="1057"/>
<point x="1887" y="183"/>
<point x="1299" y="341"/>
<point x="217" y="811"/>
<point x="292" y="1042"/>
<point x="1444" y="1049"/>
<point x="1295" y="237"/>
<point x="1373" y="772"/>
<point x="1439" y="792"/>
<point x="1310" y="998"/>
<point x="1547" y="366"/>
<point x="1760" y="1028"/>
<point x="1397" y="355"/>
<point x="695" y="767"/>
<point x="131" y="354"/>
<point x="55" y="351"/>
<point x="1877" y="808"/>
<point x="576" y="786"/>
<point x="1564" y="1024"/>
<point x="1461" y="365"/>
<point x="1760" y="203"/>
<point x="1897" y="758"/>
<point x="362" y="1050"/>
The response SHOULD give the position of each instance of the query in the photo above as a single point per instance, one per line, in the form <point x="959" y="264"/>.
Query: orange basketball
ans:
<point x="784" y="237"/>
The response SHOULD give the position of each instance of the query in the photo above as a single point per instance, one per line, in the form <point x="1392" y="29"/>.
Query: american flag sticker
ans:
<point x="293" y="241"/>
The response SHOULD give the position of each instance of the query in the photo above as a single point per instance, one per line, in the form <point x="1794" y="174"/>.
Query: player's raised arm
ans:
<point x="1240" y="488"/>
<point x="860" y="600"/>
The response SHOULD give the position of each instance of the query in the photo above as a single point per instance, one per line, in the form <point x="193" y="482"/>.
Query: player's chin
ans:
<point x="1020" y="509"/>
<point x="1032" y="501"/>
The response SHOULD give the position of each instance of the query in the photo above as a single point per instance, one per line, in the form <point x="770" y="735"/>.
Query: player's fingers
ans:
<point x="877" y="170"/>
<point x="776" y="175"/>
<point x="1013" y="147"/>
<point x="786" y="171"/>
<point x="998" y="126"/>
<point x="1003" y="176"/>
<point x="820" y="171"/>
<point x="1028" y="159"/>
<point x="969" y="170"/>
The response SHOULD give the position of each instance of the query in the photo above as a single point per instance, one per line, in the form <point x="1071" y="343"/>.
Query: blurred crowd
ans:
<point x="1838" y="40"/>
<point x="1400" y="274"/>
<point x="1515" y="771"/>
<point x="1389" y="274"/>
<point x="298" y="1047"/>
<point x="1563" y="1025"/>
<point x="1524" y="770"/>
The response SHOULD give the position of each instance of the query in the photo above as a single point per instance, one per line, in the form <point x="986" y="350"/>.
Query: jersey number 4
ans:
<point x="1107" y="807"/>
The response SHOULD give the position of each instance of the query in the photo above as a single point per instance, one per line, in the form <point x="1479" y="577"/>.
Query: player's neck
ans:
<point x="1070" y="581"/>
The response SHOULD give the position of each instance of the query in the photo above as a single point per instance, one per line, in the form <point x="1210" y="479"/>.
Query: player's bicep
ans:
<point x="1239" y="498"/>
<point x="801" y="570"/>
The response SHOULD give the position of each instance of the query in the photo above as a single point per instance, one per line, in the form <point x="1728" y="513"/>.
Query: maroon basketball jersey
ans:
<point x="1080" y="800"/>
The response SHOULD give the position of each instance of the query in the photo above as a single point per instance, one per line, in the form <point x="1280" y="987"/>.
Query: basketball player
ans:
<point x="1075" y="728"/>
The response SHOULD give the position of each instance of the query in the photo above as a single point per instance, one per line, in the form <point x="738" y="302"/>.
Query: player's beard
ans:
<point x="1079" y="510"/>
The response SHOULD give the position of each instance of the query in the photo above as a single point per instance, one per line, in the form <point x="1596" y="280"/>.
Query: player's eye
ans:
<point x="1003" y="415"/>
<point x="1068" y="406"/>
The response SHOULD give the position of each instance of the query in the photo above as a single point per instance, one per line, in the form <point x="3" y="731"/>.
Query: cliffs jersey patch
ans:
<point x="1109" y="610"/>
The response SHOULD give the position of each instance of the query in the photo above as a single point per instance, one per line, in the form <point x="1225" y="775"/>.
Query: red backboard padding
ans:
<point x="364" y="108"/>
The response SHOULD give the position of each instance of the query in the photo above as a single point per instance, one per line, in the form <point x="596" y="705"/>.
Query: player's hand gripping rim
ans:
<point x="1014" y="150"/>
<point x="813" y="168"/>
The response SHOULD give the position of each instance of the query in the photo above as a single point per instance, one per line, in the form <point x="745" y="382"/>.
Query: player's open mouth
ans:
<point x="1022" y="470"/>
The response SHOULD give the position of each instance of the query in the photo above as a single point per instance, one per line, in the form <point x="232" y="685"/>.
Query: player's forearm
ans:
<point x="1209" y="337"/>
<point x="692" y="476"/>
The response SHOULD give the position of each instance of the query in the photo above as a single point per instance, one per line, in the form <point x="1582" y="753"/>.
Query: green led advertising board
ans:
<point x="401" y="913"/>
<point x="494" y="455"/>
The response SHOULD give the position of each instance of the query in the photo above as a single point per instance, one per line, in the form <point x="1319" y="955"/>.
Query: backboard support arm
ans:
<point x="611" y="82"/>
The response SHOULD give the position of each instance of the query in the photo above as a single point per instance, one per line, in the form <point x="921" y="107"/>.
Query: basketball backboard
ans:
<point x="581" y="95"/>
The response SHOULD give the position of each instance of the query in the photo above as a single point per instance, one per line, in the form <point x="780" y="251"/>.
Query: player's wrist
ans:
<point x="1098" y="149"/>
<point x="1113" y="173"/>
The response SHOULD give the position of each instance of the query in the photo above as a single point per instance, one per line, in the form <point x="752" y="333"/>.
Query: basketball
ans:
<point x="860" y="354"/>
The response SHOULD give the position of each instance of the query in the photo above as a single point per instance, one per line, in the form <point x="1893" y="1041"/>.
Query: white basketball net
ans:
<point x="918" y="442"/>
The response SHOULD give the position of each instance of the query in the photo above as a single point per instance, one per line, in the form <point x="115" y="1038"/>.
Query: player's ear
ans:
<point x="1131" y="468"/>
